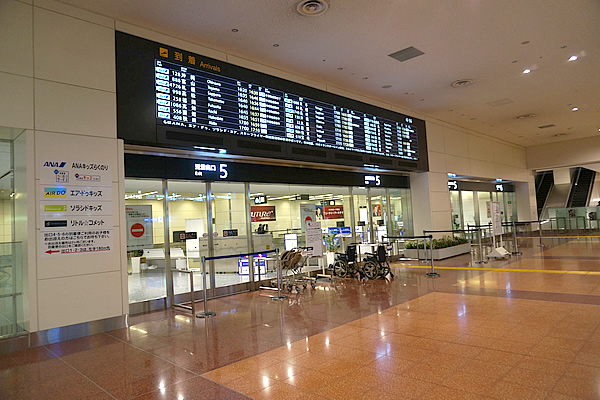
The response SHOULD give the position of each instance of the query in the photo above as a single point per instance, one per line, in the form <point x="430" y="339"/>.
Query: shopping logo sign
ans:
<point x="55" y="207"/>
<point x="55" y="193"/>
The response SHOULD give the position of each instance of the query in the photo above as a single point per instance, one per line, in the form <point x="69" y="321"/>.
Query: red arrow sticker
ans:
<point x="52" y="251"/>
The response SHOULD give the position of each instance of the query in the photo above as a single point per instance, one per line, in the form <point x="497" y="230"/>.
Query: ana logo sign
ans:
<point x="55" y="164"/>
<point x="453" y="185"/>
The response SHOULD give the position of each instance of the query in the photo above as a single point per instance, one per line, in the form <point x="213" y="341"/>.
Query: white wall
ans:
<point x="469" y="154"/>
<point x="57" y="77"/>
<point x="574" y="153"/>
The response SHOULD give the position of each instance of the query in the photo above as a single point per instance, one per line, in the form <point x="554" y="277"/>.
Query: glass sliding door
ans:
<point x="379" y="213"/>
<point x="144" y="207"/>
<point x="187" y="213"/>
<point x="362" y="214"/>
<point x="231" y="237"/>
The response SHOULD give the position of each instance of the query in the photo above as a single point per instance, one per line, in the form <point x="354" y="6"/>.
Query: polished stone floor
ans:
<point x="524" y="328"/>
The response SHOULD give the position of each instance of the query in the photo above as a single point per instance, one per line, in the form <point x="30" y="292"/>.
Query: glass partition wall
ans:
<point x="12" y="316"/>
<point x="206" y="219"/>
<point x="471" y="208"/>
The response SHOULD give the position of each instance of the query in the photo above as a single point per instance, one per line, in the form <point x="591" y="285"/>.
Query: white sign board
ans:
<point x="314" y="239"/>
<point x="75" y="206"/>
<point x="496" y="218"/>
<point x="139" y="227"/>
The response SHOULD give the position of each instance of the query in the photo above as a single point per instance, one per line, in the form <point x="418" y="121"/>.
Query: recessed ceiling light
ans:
<point x="526" y="71"/>
<point x="275" y="45"/>
<point x="515" y="61"/>
<point x="340" y="68"/>
<point x="386" y="86"/>
<point x="575" y="109"/>
<point x="365" y="77"/>
<point x="235" y="30"/>
<point x="526" y="42"/>
<point x="572" y="58"/>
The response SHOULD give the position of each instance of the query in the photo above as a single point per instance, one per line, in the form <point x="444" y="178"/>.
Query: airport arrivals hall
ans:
<point x="299" y="199"/>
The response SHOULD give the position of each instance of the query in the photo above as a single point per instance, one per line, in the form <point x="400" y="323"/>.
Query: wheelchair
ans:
<point x="376" y="265"/>
<point x="345" y="263"/>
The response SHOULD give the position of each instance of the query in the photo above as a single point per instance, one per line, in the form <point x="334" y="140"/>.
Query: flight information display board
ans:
<point x="191" y="98"/>
<point x="168" y="97"/>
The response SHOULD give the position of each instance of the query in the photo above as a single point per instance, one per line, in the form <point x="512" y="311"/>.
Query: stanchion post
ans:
<point x="279" y="278"/>
<point x="432" y="273"/>
<point x="540" y="225"/>
<point x="516" y="252"/>
<point x="206" y="313"/>
<point x="192" y="297"/>
<point x="481" y="260"/>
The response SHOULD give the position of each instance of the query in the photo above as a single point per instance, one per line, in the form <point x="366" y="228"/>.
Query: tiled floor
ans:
<point x="518" y="331"/>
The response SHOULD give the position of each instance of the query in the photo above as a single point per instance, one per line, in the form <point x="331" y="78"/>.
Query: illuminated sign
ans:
<point x="211" y="171"/>
<point x="260" y="199"/>
<point x="372" y="180"/>
<point x="453" y="185"/>
<point x="500" y="188"/>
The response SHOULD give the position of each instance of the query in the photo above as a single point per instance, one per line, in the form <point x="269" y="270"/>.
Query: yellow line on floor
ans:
<point x="558" y="237"/>
<point x="543" y="271"/>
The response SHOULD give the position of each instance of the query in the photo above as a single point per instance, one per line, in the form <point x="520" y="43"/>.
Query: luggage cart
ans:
<point x="292" y="262"/>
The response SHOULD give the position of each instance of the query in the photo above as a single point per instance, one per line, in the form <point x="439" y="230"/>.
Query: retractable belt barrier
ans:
<point x="206" y="313"/>
<point x="430" y="237"/>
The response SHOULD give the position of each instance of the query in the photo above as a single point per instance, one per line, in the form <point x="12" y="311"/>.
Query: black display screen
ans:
<point x="191" y="98"/>
<point x="173" y="98"/>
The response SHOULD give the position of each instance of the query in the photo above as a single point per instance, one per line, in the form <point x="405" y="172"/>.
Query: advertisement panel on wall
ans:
<point x="262" y="213"/>
<point x="333" y="212"/>
<point x="139" y="227"/>
<point x="307" y="214"/>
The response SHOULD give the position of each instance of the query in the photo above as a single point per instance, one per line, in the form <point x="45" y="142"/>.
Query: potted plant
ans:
<point x="332" y="243"/>
<point x="445" y="247"/>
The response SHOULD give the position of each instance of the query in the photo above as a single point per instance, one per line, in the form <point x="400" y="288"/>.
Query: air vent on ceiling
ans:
<point x="312" y="8"/>
<point x="194" y="138"/>
<point x="380" y="161"/>
<point x="246" y="144"/>
<point x="461" y="83"/>
<point x="526" y="116"/>
<point x="406" y="54"/>
<point x="500" y="102"/>
<point x="349" y="157"/>
<point x="309" y="152"/>
<point x="546" y="126"/>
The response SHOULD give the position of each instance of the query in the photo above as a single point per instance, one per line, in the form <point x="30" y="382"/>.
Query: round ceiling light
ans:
<point x="461" y="83"/>
<point x="312" y="8"/>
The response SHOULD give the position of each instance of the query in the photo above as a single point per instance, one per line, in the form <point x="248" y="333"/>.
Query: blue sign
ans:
<point x="333" y="230"/>
<point x="346" y="230"/>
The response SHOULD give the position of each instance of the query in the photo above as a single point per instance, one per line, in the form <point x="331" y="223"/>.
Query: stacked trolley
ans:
<point x="292" y="262"/>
